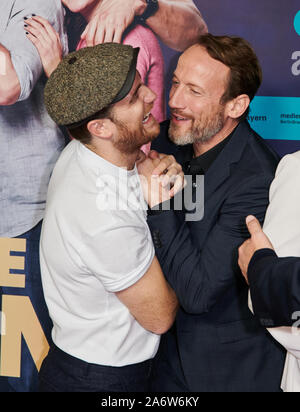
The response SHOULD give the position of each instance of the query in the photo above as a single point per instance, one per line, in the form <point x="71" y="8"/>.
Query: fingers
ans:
<point x="253" y="225"/>
<point x="141" y="157"/>
<point x="46" y="25"/>
<point x="165" y="163"/>
<point x="41" y="29"/>
<point x="37" y="30"/>
<point x="109" y="34"/>
<point x="119" y="30"/>
<point x="109" y="22"/>
<point x="90" y="33"/>
<point x="171" y="174"/>
<point x="179" y="184"/>
<point x="169" y="170"/>
<point x="101" y="30"/>
<point x="46" y="40"/>
<point x="243" y="260"/>
<point x="153" y="154"/>
<point x="105" y="34"/>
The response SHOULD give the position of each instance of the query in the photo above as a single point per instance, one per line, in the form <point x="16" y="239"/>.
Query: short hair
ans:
<point x="245" y="70"/>
<point x="81" y="132"/>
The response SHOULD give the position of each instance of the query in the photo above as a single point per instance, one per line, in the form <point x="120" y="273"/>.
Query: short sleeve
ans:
<point x="24" y="56"/>
<point x="120" y="252"/>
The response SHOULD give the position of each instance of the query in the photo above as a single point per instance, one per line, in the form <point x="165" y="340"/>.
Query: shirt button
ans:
<point x="194" y="185"/>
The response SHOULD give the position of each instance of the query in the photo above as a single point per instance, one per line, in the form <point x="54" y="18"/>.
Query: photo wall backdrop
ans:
<point x="273" y="29"/>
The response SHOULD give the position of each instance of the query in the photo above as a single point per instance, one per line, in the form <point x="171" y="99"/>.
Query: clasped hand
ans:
<point x="161" y="177"/>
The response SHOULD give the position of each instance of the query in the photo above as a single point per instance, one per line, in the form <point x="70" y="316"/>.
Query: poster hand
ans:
<point x="111" y="19"/>
<point x="46" y="40"/>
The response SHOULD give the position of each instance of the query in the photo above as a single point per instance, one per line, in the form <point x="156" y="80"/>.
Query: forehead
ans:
<point x="197" y="67"/>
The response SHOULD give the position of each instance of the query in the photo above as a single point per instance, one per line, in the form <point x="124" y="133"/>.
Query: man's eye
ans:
<point x="195" y="92"/>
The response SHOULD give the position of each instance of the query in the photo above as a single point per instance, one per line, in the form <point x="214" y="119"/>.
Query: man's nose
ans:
<point x="148" y="95"/>
<point x="176" y="100"/>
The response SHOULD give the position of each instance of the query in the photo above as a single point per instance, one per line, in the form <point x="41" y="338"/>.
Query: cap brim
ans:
<point x="130" y="78"/>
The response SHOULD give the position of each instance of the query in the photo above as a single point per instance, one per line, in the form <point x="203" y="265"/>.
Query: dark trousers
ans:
<point x="61" y="372"/>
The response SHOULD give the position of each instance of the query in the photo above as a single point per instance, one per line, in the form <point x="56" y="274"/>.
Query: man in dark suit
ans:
<point x="216" y="343"/>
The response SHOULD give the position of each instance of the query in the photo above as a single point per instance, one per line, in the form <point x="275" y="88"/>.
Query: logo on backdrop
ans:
<point x="297" y="23"/>
<point x="296" y="54"/>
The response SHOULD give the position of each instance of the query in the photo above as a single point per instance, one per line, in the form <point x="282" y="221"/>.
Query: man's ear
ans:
<point x="102" y="128"/>
<point x="237" y="107"/>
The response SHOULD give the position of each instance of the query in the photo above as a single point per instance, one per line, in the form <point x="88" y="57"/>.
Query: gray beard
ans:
<point x="198" y="134"/>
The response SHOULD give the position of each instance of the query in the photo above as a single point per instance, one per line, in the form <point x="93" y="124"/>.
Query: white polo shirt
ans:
<point x="95" y="242"/>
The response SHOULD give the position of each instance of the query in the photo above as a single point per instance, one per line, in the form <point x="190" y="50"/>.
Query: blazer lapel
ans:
<point x="232" y="152"/>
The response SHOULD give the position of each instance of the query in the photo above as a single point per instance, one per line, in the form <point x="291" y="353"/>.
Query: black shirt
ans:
<point x="200" y="165"/>
<point x="196" y="165"/>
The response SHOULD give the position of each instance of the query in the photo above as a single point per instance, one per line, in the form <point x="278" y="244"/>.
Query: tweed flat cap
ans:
<point x="88" y="80"/>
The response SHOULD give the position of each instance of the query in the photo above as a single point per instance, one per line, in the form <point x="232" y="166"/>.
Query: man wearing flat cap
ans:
<point x="103" y="285"/>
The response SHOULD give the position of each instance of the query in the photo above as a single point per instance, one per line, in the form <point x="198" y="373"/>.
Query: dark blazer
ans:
<point x="216" y="343"/>
<point x="275" y="288"/>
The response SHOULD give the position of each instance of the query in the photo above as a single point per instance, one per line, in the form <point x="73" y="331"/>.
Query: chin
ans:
<point x="156" y="129"/>
<point x="181" y="138"/>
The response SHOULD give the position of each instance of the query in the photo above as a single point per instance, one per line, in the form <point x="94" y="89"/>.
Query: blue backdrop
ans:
<point x="273" y="29"/>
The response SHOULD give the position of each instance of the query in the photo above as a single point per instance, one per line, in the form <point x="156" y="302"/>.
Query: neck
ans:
<point x="89" y="12"/>
<point x="122" y="160"/>
<point x="201" y="148"/>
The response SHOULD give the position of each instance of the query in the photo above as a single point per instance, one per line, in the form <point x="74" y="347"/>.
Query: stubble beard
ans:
<point x="130" y="141"/>
<point x="201" y="131"/>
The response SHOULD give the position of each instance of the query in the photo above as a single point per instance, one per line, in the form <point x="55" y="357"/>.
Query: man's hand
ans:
<point x="169" y="171"/>
<point x="111" y="20"/>
<point x="161" y="176"/>
<point x="257" y="241"/>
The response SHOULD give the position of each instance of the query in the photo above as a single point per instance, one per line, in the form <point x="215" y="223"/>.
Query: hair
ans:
<point x="237" y="54"/>
<point x="81" y="132"/>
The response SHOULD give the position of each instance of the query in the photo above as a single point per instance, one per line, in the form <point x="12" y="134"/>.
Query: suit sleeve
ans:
<point x="275" y="288"/>
<point x="200" y="277"/>
<point x="275" y="283"/>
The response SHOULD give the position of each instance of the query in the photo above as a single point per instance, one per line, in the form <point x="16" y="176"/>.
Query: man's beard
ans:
<point x="129" y="141"/>
<point x="201" y="131"/>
